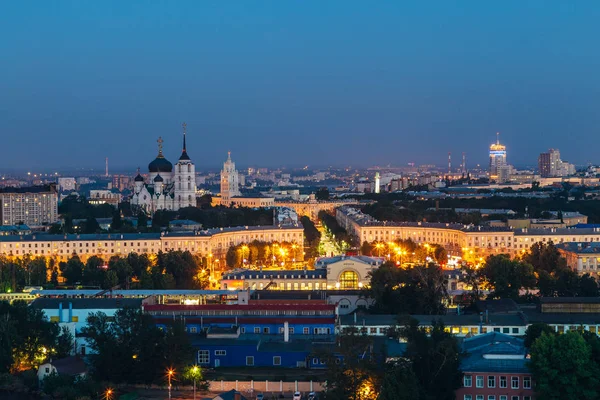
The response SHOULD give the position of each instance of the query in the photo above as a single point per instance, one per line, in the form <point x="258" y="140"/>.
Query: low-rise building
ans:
<point x="104" y="197"/>
<point x="583" y="258"/>
<point x="348" y="272"/>
<point x="495" y="367"/>
<point x="73" y="313"/>
<point x="274" y="279"/>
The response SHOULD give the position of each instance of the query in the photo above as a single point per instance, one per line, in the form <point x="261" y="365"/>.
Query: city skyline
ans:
<point x="297" y="83"/>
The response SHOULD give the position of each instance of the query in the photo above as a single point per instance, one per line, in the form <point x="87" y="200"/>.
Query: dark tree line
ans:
<point x="262" y="253"/>
<point x="335" y="228"/>
<point x="415" y="290"/>
<point x="312" y="237"/>
<point x="564" y="366"/>
<point x="132" y="349"/>
<point x="216" y="217"/>
<point x="27" y="338"/>
<point x="170" y="270"/>
<point x="542" y="267"/>
<point x="428" y="370"/>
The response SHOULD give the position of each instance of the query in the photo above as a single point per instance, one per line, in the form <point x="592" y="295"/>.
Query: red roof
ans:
<point x="240" y="307"/>
<point x="250" y="320"/>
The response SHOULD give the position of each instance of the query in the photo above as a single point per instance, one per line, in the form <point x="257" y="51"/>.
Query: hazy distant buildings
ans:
<point x="66" y="184"/>
<point x="103" y="196"/>
<point x="497" y="157"/>
<point x="32" y="206"/>
<point x="230" y="190"/>
<point x="122" y="182"/>
<point x="550" y="165"/>
<point x="167" y="189"/>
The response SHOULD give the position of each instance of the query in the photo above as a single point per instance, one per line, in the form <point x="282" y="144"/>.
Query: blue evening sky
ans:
<point x="297" y="82"/>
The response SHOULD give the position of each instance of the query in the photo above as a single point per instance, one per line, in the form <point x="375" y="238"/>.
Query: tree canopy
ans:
<point x="413" y="290"/>
<point x="563" y="367"/>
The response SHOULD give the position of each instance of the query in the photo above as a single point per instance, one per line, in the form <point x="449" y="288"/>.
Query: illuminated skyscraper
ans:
<point x="497" y="157"/>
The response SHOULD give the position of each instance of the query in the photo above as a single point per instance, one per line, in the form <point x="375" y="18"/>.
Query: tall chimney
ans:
<point x="60" y="319"/>
<point x="286" y="331"/>
<point x="70" y="312"/>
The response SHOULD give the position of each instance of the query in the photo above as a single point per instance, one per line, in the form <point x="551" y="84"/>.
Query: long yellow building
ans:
<point x="457" y="238"/>
<point x="205" y="242"/>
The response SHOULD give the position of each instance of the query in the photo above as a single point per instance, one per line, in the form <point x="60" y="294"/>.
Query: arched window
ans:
<point x="349" y="280"/>
<point x="189" y="186"/>
<point x="189" y="167"/>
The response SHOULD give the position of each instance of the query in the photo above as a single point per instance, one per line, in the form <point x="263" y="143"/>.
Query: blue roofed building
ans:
<point x="495" y="366"/>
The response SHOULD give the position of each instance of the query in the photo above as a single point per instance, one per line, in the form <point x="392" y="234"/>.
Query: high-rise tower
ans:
<point x="230" y="183"/>
<point x="184" y="179"/>
<point x="497" y="157"/>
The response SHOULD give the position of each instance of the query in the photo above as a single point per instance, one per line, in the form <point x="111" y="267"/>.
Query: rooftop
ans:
<point x="47" y="303"/>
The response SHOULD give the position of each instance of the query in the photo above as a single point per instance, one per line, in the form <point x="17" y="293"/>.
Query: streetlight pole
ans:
<point x="170" y="374"/>
<point x="195" y="374"/>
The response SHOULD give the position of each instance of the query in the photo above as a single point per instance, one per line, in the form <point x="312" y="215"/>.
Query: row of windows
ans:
<point x="502" y="381"/>
<point x="204" y="357"/>
<point x="493" y="397"/>
<point x="305" y="331"/>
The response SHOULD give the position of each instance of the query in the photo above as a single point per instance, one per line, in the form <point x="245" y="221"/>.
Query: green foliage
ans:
<point x="133" y="350"/>
<point x="399" y="382"/>
<point x="216" y="217"/>
<point x="72" y="270"/>
<point x="555" y="278"/>
<point x="563" y="367"/>
<point x="27" y="336"/>
<point x="507" y="277"/>
<point x="312" y="237"/>
<point x="69" y="388"/>
<point x="64" y="343"/>
<point x="352" y="371"/>
<point x="333" y="229"/>
<point x="414" y="290"/>
<point x="322" y="194"/>
<point x="536" y="330"/>
<point x="435" y="360"/>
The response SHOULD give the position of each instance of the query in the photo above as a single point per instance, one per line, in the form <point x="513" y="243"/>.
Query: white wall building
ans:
<point x="167" y="189"/>
<point x="32" y="206"/>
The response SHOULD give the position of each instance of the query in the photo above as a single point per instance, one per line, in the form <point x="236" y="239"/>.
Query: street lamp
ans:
<point x="195" y="373"/>
<point x="379" y="246"/>
<point x="244" y="248"/>
<point x="170" y="373"/>
<point x="108" y="394"/>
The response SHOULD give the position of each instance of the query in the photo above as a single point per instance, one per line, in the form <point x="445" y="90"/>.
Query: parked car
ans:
<point x="297" y="396"/>
<point x="312" y="396"/>
<point x="260" y="396"/>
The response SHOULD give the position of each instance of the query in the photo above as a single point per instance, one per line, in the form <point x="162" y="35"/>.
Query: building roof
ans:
<point x="137" y="236"/>
<point x="160" y="164"/>
<point x="428" y="320"/>
<point x="580" y="247"/>
<point x="231" y="395"/>
<point x="494" y="352"/>
<point x="275" y="274"/>
<point x="30" y="189"/>
<point x="324" y="261"/>
<point x="570" y="300"/>
<point x="47" y="303"/>
<point x="158" y="178"/>
<point x="563" y="318"/>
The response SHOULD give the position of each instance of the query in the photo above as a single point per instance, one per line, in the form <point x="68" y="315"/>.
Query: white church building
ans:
<point x="168" y="187"/>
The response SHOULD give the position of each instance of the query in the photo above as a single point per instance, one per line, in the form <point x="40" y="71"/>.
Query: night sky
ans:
<point x="297" y="82"/>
